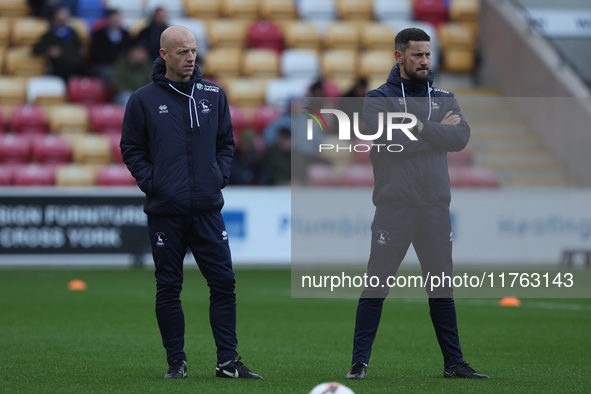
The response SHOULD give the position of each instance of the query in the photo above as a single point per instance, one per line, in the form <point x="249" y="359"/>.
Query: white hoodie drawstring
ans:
<point x="191" y="99"/>
<point x="404" y="98"/>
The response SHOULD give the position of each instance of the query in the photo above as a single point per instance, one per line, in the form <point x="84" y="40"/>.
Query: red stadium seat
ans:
<point x="6" y="175"/>
<point x="14" y="148"/>
<point x="106" y="118"/>
<point x="115" y="175"/>
<point x="322" y="175"/>
<point x="434" y="12"/>
<point x="239" y="121"/>
<point x="29" y="119"/>
<point x="51" y="149"/>
<point x="86" y="90"/>
<point x="263" y="116"/>
<point x="358" y="175"/>
<point x="35" y="175"/>
<point x="266" y="35"/>
<point x="115" y="140"/>
<point x="462" y="158"/>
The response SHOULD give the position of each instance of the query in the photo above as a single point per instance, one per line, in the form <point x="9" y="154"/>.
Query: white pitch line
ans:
<point x="528" y="304"/>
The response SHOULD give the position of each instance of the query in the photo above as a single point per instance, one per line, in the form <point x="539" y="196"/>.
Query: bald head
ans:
<point x="178" y="49"/>
<point x="175" y="34"/>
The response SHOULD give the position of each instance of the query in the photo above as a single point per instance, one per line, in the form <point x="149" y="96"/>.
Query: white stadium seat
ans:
<point x="386" y="10"/>
<point x="317" y="10"/>
<point x="45" y="86"/>
<point x="280" y="90"/>
<point x="300" y="63"/>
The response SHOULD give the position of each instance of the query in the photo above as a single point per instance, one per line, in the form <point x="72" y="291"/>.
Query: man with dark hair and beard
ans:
<point x="412" y="197"/>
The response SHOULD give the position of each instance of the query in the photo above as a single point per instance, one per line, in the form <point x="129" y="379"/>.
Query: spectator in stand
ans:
<point x="278" y="159"/>
<point x="46" y="8"/>
<point x="108" y="43"/>
<point x="150" y="35"/>
<point x="247" y="166"/>
<point x="271" y="132"/>
<point x="62" y="46"/>
<point x="131" y="71"/>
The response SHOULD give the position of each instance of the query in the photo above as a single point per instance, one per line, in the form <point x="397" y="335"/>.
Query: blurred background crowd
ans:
<point x="68" y="68"/>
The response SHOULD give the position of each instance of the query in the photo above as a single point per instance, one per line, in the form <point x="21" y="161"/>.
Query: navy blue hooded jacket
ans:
<point x="418" y="174"/>
<point x="177" y="142"/>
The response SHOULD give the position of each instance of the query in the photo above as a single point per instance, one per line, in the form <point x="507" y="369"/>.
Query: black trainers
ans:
<point x="462" y="370"/>
<point x="176" y="370"/>
<point x="235" y="369"/>
<point x="358" y="371"/>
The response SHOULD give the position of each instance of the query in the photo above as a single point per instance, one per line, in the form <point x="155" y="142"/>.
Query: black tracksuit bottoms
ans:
<point x="394" y="228"/>
<point x="205" y="235"/>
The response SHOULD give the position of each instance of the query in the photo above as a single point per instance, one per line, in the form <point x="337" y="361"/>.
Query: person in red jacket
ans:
<point x="177" y="142"/>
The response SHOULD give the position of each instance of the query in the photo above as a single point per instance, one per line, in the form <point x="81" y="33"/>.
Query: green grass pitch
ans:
<point x="105" y="339"/>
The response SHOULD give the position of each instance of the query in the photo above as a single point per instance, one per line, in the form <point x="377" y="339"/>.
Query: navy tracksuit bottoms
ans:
<point x="205" y="235"/>
<point x="394" y="228"/>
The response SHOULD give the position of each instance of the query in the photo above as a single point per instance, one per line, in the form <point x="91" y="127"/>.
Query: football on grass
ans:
<point x="331" y="387"/>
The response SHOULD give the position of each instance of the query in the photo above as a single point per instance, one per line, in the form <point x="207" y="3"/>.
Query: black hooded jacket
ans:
<point x="418" y="174"/>
<point x="177" y="142"/>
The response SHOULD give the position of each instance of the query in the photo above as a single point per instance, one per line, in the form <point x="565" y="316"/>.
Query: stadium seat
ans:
<point x="239" y="120"/>
<point x="455" y="35"/>
<point x="106" y="118"/>
<point x="202" y="9"/>
<point x="6" y="175"/>
<point x="223" y="62"/>
<point x="240" y="9"/>
<point x="115" y="175"/>
<point x="20" y="61"/>
<point x="275" y="10"/>
<point x="14" y="148"/>
<point x="388" y="10"/>
<point x="46" y="90"/>
<point x="300" y="63"/>
<point x="27" y="31"/>
<point x="130" y="9"/>
<point x="3" y="120"/>
<point x="247" y="92"/>
<point x="377" y="36"/>
<point x="478" y="177"/>
<point x="13" y="90"/>
<point x="198" y="29"/>
<point x="29" y="119"/>
<point x="430" y="11"/>
<point x="3" y="52"/>
<point x="135" y="25"/>
<point x="302" y="35"/>
<point x="51" y="149"/>
<point x="114" y="141"/>
<point x="86" y="90"/>
<point x="376" y="64"/>
<point x="338" y="63"/>
<point x="68" y="119"/>
<point x="82" y="29"/>
<point x="5" y="31"/>
<point x="462" y="158"/>
<point x="260" y="63"/>
<point x="92" y="149"/>
<point x="90" y="10"/>
<point x="227" y="33"/>
<point x="459" y="60"/>
<point x="175" y="8"/>
<point x="324" y="10"/>
<point x="355" y="9"/>
<point x="342" y="35"/>
<point x="34" y="175"/>
<point x="322" y="175"/>
<point x="358" y="175"/>
<point x="464" y="10"/>
<point x="14" y="8"/>
<point x="265" y="35"/>
<point x="280" y="90"/>
<point x="263" y="116"/>
<point x="75" y="175"/>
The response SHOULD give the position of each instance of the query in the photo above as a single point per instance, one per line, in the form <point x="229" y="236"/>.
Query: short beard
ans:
<point x="414" y="76"/>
